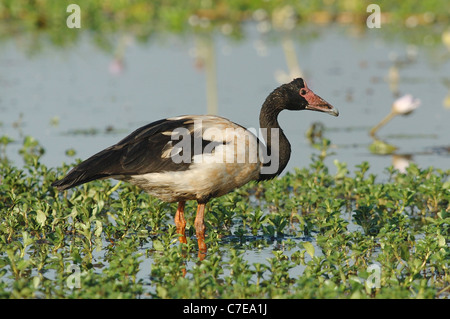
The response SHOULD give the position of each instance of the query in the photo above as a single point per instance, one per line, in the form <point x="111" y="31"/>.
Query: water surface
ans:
<point x="95" y="101"/>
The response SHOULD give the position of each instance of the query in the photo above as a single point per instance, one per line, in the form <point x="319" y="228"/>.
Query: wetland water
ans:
<point x="81" y="98"/>
<point x="84" y="99"/>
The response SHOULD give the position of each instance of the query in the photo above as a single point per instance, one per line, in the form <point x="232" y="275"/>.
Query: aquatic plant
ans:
<point x="307" y="234"/>
<point x="404" y="105"/>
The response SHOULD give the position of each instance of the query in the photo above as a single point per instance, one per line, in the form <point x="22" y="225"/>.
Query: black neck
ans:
<point x="279" y="149"/>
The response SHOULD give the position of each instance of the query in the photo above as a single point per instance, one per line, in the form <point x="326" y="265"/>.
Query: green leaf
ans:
<point x="98" y="228"/>
<point x="446" y="185"/>
<point x="41" y="217"/>
<point x="158" y="245"/>
<point x="309" y="248"/>
<point x="36" y="282"/>
<point x="27" y="240"/>
<point x="441" y="241"/>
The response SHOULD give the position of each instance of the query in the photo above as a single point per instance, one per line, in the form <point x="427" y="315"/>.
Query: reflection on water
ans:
<point x="401" y="161"/>
<point x="87" y="90"/>
<point x="206" y="56"/>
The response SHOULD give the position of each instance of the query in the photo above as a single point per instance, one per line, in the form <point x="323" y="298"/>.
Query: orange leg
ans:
<point x="200" y="230"/>
<point x="180" y="222"/>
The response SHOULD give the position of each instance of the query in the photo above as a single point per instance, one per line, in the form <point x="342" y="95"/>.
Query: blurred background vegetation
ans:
<point x="144" y="18"/>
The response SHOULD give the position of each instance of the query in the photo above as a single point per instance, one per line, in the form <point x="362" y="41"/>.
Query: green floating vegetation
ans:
<point x="381" y="147"/>
<point x="316" y="235"/>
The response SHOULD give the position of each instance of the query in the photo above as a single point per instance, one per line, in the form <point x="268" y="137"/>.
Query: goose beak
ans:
<point x="323" y="107"/>
<point x="316" y="103"/>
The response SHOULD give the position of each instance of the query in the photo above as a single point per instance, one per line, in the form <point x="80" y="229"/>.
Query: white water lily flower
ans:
<point x="402" y="106"/>
<point x="405" y="105"/>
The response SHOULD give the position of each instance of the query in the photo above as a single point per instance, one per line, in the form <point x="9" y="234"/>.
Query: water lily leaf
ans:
<point x="381" y="148"/>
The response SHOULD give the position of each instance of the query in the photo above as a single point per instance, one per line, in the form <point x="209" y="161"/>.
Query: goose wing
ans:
<point x="148" y="149"/>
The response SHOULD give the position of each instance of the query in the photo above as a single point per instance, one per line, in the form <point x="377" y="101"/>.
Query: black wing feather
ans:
<point x="138" y="153"/>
